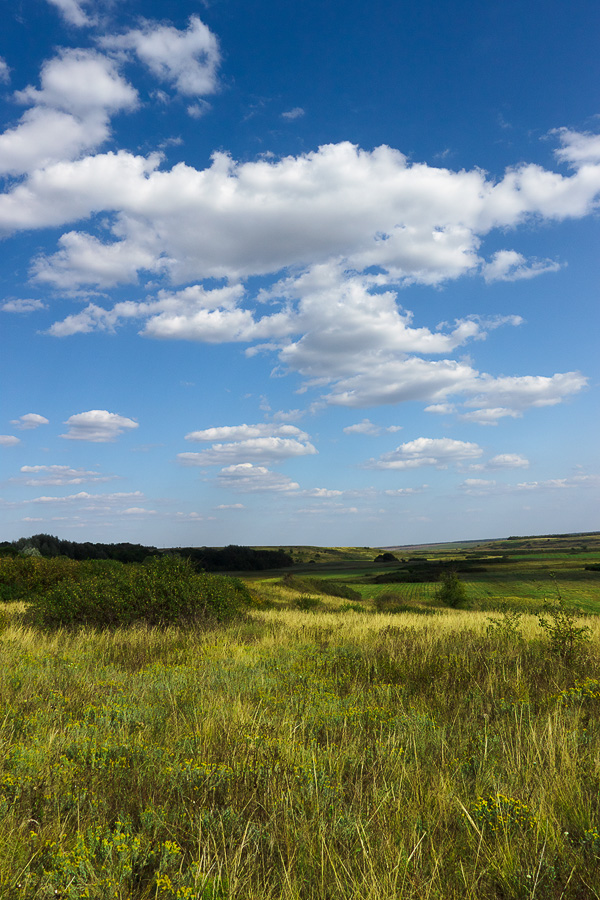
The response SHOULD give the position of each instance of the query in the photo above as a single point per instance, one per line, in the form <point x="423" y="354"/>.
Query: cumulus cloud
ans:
<point x="439" y="452"/>
<point x="257" y="449"/>
<point x="30" y="420"/>
<point x="61" y="475"/>
<point x="230" y="506"/>
<point x="189" y="59"/>
<point x="248" y="478"/>
<point x="4" y="71"/>
<point x="352" y="225"/>
<point x="578" y="148"/>
<point x="79" y="81"/>
<point x="508" y="461"/>
<point x="364" y="427"/>
<point x="73" y="12"/>
<point x="508" y="265"/>
<point x="246" y="432"/>
<point x="98" y="426"/>
<point x="9" y="440"/>
<point x="521" y="392"/>
<point x="79" y="91"/>
<point x="441" y="409"/>
<point x="92" y="500"/>
<point x="22" y="306"/>
<point x="368" y="427"/>
<point x="417" y="223"/>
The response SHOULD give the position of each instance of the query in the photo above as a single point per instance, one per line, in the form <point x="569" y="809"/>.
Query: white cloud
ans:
<point x="199" y="109"/>
<point x="256" y="449"/>
<point x="92" y="500"/>
<point x="349" y="223"/>
<point x="426" y="452"/>
<point x="441" y="409"/>
<point x="578" y="148"/>
<point x="577" y="481"/>
<point x="364" y="427"/>
<point x="61" y="475"/>
<point x="137" y="511"/>
<point x="9" y="440"/>
<point x="80" y="81"/>
<point x="402" y="492"/>
<point x="230" y="506"/>
<point x="247" y="478"/>
<point x="70" y="114"/>
<point x="98" y="426"/>
<point x="4" y="71"/>
<point x="245" y="432"/>
<point x="368" y="427"/>
<point x="521" y="392"/>
<point x="480" y="487"/>
<point x="508" y="461"/>
<point x="489" y="416"/>
<point x="508" y="265"/>
<point x="85" y="259"/>
<point x="369" y="208"/>
<point x="73" y="12"/>
<point x="30" y="420"/>
<point x="187" y="59"/>
<point x="296" y="113"/>
<point x="22" y="306"/>
<point x="324" y="493"/>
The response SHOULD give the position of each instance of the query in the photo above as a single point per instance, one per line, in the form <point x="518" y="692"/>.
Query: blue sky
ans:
<point x="299" y="273"/>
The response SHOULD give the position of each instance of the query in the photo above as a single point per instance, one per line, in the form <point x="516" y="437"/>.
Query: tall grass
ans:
<point x="300" y="755"/>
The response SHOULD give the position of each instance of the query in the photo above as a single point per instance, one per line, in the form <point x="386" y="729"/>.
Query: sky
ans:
<point x="299" y="273"/>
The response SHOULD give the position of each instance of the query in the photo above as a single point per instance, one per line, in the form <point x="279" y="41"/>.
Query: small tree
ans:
<point x="452" y="591"/>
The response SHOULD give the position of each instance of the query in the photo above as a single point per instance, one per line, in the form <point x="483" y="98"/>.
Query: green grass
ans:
<point x="327" y="752"/>
<point x="301" y="756"/>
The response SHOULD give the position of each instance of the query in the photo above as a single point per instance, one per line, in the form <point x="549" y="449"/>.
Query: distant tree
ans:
<point x="452" y="591"/>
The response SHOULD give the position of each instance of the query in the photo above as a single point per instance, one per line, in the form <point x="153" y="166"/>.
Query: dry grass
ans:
<point x="299" y="755"/>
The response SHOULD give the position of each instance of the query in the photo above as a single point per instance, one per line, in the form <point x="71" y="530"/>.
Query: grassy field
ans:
<point x="526" y="572"/>
<point x="331" y="754"/>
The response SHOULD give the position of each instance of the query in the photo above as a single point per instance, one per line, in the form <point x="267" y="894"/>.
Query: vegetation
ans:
<point x="101" y="594"/>
<point x="452" y="591"/>
<point x="299" y="754"/>
<point x="211" y="559"/>
<point x="314" y="748"/>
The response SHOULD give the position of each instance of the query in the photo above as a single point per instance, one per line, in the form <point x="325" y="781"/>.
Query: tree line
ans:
<point x="232" y="558"/>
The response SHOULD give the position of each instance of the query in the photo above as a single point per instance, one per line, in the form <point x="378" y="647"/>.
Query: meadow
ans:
<point x="306" y="750"/>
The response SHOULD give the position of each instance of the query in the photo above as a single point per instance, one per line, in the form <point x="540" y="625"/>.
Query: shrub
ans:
<point x="307" y="604"/>
<point x="165" y="591"/>
<point x="452" y="592"/>
<point x="566" y="636"/>
<point x="389" y="602"/>
<point x="23" y="577"/>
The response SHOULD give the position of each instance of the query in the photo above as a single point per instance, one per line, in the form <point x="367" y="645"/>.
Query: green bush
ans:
<point x="452" y="591"/>
<point x="23" y="577"/>
<point x="166" y="590"/>
<point x="307" y="604"/>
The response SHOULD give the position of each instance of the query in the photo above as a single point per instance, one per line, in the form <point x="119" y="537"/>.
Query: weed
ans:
<point x="567" y="638"/>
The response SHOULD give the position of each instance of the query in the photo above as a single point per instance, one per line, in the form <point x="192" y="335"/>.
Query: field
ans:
<point x="525" y="572"/>
<point x="332" y="753"/>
